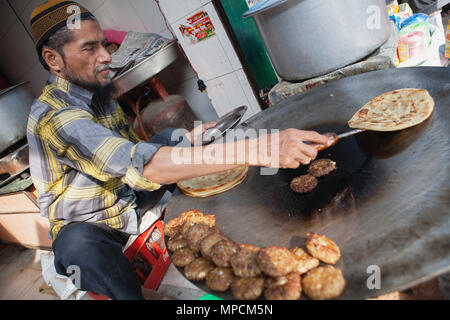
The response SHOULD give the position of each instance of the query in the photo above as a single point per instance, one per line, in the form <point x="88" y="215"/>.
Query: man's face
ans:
<point x="86" y="60"/>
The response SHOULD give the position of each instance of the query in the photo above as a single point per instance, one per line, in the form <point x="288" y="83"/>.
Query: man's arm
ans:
<point x="287" y="147"/>
<point x="81" y="143"/>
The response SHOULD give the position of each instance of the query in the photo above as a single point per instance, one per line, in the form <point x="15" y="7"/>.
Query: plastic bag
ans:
<point x="405" y="8"/>
<point x="411" y="45"/>
<point x="447" y="42"/>
<point x="413" y="40"/>
<point x="418" y="17"/>
<point x="393" y="8"/>
<point x="418" y="26"/>
<point x="399" y="18"/>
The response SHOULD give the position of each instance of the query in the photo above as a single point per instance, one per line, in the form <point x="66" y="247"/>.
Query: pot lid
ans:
<point x="262" y="6"/>
<point x="227" y="122"/>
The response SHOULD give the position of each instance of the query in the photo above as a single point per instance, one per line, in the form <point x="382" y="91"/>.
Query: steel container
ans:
<point x="309" y="38"/>
<point x="15" y="105"/>
<point x="146" y="69"/>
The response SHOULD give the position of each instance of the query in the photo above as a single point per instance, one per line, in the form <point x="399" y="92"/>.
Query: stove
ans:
<point x="14" y="164"/>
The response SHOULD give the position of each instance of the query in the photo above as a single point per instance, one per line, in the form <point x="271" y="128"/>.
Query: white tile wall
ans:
<point x="222" y="36"/>
<point x="214" y="59"/>
<point x="150" y="15"/>
<point x="207" y="57"/>
<point x="253" y="103"/>
<point x="227" y="93"/>
<point x="19" y="62"/>
<point x="124" y="16"/>
<point x="91" y="5"/>
<point x="104" y="17"/>
<point x="199" y="102"/>
<point x="176" y="9"/>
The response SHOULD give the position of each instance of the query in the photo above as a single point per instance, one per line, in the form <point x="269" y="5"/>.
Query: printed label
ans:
<point x="197" y="28"/>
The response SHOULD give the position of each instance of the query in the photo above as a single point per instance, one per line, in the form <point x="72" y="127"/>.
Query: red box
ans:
<point x="149" y="257"/>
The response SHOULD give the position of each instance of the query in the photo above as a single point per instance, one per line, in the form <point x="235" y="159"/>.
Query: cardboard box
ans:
<point x="21" y="221"/>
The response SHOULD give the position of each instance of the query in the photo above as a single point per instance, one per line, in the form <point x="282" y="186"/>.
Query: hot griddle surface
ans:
<point x="387" y="205"/>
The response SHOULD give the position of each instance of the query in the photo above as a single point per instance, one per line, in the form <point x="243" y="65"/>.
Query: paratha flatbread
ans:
<point x="212" y="184"/>
<point x="394" y="110"/>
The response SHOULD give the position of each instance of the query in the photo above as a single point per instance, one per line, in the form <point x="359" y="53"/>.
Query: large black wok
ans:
<point x="387" y="205"/>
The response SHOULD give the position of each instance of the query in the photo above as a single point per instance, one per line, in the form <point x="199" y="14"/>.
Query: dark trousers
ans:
<point x="95" y="251"/>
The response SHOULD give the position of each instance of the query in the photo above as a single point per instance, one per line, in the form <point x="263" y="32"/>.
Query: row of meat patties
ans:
<point x="275" y="273"/>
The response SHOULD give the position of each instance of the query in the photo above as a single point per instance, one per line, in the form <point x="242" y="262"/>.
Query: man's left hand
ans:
<point x="199" y="130"/>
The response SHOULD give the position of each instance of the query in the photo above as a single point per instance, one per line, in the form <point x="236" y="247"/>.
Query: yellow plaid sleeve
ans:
<point x="134" y="178"/>
<point x="81" y="143"/>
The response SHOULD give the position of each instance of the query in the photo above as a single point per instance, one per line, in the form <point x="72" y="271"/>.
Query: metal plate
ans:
<point x="146" y="69"/>
<point x="227" y="122"/>
<point x="387" y="205"/>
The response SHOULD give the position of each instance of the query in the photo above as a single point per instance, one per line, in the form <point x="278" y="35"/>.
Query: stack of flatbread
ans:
<point x="212" y="184"/>
<point x="394" y="110"/>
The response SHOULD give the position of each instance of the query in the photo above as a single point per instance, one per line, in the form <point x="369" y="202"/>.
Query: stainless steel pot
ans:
<point x="15" y="105"/>
<point x="309" y="38"/>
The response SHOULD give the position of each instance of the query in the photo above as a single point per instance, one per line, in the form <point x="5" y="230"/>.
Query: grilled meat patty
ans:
<point x="196" y="233"/>
<point x="198" y="269"/>
<point x="222" y="251"/>
<point x="184" y="256"/>
<point x="323" y="283"/>
<point x="245" y="263"/>
<point x="276" y="261"/>
<point x="321" y="167"/>
<point x="286" y="287"/>
<point x="220" y="279"/>
<point x="304" y="262"/>
<point x="322" y="248"/>
<point x="304" y="184"/>
<point x="176" y="243"/>
<point x="208" y="242"/>
<point x="248" y="288"/>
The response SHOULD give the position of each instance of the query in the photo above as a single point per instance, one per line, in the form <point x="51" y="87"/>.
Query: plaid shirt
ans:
<point x="85" y="167"/>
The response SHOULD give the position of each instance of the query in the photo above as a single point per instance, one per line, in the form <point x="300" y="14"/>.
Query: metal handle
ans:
<point x="320" y="147"/>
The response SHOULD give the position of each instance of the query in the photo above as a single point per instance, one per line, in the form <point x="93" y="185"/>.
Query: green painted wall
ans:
<point x="251" y="43"/>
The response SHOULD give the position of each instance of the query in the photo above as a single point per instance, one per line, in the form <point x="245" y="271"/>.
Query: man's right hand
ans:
<point x="292" y="149"/>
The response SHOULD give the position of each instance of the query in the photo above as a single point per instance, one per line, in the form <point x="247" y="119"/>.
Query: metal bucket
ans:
<point x="15" y="105"/>
<point x="309" y="38"/>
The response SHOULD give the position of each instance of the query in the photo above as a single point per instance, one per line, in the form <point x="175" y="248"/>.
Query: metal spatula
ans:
<point x="335" y="138"/>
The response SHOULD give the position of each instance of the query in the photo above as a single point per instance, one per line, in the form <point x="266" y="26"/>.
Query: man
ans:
<point x="94" y="177"/>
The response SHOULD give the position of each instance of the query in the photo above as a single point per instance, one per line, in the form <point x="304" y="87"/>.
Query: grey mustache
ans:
<point x="102" y="68"/>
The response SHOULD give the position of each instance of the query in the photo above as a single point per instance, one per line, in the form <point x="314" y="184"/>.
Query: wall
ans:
<point x="214" y="58"/>
<point x="19" y="62"/>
